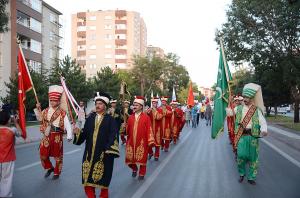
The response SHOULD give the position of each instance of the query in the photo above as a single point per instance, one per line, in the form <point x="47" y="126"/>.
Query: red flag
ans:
<point x="24" y="85"/>
<point x="190" y="100"/>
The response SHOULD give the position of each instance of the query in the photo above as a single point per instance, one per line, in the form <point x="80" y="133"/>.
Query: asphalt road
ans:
<point x="196" y="167"/>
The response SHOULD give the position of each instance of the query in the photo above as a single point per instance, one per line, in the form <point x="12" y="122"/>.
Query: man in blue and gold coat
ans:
<point x="100" y="134"/>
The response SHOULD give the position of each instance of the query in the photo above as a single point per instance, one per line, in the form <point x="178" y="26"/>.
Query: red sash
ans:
<point x="243" y="125"/>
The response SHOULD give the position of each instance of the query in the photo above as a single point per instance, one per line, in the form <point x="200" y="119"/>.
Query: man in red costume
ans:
<point x="139" y="138"/>
<point x="155" y="115"/>
<point x="176" y="120"/>
<point x="54" y="121"/>
<point x="166" y="123"/>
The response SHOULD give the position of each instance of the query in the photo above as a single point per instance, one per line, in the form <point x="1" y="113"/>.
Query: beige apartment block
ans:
<point x="107" y="38"/>
<point x="155" y="51"/>
<point x="35" y="24"/>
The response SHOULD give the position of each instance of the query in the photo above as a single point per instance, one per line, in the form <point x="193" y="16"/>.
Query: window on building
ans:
<point x="107" y="17"/>
<point x="52" y="36"/>
<point x="92" y="27"/>
<point x="92" y="47"/>
<point x="93" y="66"/>
<point x="35" y="25"/>
<point x="108" y="46"/>
<point x="35" y="46"/>
<point x="107" y="56"/>
<point x="51" y="53"/>
<point x="120" y="56"/>
<point x="92" y="37"/>
<point x="120" y="36"/>
<point x="81" y="28"/>
<point x="121" y="26"/>
<point x="81" y="47"/>
<point x="35" y="66"/>
<point x="93" y="56"/>
<point x="52" y="18"/>
<point x="108" y="37"/>
<point x="36" y="5"/>
<point x="107" y="27"/>
<point x="93" y="18"/>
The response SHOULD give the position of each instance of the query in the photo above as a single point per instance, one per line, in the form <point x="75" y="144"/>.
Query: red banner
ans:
<point x="24" y="85"/>
<point x="190" y="99"/>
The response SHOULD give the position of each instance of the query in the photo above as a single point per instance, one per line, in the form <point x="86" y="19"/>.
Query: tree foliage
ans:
<point x="266" y="34"/>
<point x="4" y="16"/>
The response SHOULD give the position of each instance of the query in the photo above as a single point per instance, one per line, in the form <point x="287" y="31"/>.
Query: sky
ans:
<point x="184" y="27"/>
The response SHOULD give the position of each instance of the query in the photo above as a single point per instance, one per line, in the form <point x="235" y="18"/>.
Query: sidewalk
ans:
<point x="33" y="135"/>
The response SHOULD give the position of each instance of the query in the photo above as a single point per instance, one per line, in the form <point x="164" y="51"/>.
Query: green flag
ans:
<point x="221" y="97"/>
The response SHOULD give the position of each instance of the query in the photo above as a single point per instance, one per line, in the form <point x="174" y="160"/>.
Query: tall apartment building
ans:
<point x="52" y="48"/>
<point x="107" y="38"/>
<point x="32" y="22"/>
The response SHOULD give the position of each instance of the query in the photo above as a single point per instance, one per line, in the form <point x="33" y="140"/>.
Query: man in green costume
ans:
<point x="250" y="125"/>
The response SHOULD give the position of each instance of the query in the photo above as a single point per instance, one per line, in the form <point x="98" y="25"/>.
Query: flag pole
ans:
<point x="225" y="65"/>
<point x="33" y="88"/>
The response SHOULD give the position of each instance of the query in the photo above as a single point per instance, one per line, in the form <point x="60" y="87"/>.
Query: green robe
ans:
<point x="248" y="146"/>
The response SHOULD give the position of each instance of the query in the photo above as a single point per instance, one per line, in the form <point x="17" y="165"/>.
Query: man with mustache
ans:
<point x="139" y="139"/>
<point x="100" y="134"/>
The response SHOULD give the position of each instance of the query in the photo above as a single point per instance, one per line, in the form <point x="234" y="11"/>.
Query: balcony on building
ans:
<point x="81" y="53"/>
<point x="120" y="21"/>
<point x="122" y="31"/>
<point x="120" y="13"/>
<point x="120" y="51"/>
<point x="81" y="62"/>
<point x="120" y="41"/>
<point x="121" y="60"/>
<point x="81" y="15"/>
<point x="81" y="34"/>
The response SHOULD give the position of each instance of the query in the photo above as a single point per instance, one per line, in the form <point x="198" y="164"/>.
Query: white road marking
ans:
<point x="144" y="187"/>
<point x="38" y="162"/>
<point x="71" y="152"/>
<point x="28" y="166"/>
<point x="283" y="154"/>
<point x="283" y="132"/>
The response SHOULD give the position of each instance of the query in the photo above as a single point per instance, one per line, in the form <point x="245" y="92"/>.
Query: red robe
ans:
<point x="139" y="138"/>
<point x="230" y="125"/>
<point x="155" y="117"/>
<point x="176" y="122"/>
<point x="52" y="145"/>
<point x="166" y="122"/>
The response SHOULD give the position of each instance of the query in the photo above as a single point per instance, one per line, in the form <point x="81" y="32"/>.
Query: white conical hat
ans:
<point x="252" y="90"/>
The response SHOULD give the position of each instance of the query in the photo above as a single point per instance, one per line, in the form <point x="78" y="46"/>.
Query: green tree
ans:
<point x="266" y="34"/>
<point x="41" y="86"/>
<point x="75" y="78"/>
<point x="147" y="71"/>
<point x="174" y="74"/>
<point x="4" y="16"/>
<point x="107" y="81"/>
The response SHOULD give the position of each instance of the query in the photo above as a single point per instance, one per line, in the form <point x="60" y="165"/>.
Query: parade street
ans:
<point x="196" y="167"/>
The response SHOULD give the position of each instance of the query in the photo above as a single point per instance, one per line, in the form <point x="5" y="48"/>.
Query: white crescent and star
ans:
<point x="218" y="89"/>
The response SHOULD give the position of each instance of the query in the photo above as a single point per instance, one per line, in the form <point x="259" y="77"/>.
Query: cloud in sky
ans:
<point x="184" y="27"/>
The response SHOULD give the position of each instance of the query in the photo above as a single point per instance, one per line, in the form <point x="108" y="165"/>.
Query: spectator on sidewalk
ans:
<point x="7" y="154"/>
<point x="202" y="111"/>
<point x="81" y="115"/>
<point x="208" y="114"/>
